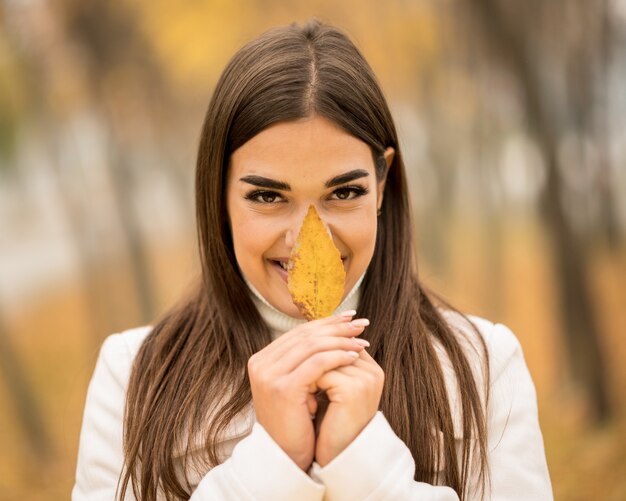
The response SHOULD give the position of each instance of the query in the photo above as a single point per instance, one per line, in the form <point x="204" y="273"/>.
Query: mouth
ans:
<point x="281" y="265"/>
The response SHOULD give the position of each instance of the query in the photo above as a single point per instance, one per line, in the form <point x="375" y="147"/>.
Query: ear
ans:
<point x="380" y="189"/>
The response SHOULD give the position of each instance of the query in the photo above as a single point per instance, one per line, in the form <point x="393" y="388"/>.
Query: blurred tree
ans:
<point x="512" y="33"/>
<point x="107" y="32"/>
<point x="27" y="410"/>
<point x="95" y="84"/>
<point x="56" y="94"/>
<point x="11" y="100"/>
<point x="607" y="195"/>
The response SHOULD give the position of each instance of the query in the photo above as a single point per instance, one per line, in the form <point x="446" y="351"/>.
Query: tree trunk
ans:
<point x="27" y="411"/>
<point x="570" y="261"/>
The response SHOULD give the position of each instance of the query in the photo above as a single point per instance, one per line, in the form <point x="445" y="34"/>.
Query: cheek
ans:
<point x="251" y="238"/>
<point x="361" y="239"/>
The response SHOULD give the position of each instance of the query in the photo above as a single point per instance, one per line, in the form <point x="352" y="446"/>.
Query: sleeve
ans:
<point x="376" y="466"/>
<point x="258" y="469"/>
<point x="380" y="466"/>
<point x="517" y="460"/>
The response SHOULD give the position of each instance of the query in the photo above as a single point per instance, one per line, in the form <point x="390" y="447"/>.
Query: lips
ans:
<point x="284" y="261"/>
<point x="280" y="265"/>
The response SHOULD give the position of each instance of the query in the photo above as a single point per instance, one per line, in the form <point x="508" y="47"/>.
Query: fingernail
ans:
<point x="353" y="354"/>
<point x="362" y="342"/>
<point x="360" y="322"/>
<point x="348" y="313"/>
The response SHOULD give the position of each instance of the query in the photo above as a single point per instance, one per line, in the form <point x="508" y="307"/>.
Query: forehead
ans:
<point x="308" y="149"/>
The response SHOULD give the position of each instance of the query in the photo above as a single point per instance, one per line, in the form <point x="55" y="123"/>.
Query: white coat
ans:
<point x="376" y="466"/>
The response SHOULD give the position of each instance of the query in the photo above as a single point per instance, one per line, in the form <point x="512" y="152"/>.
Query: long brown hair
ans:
<point x="198" y="351"/>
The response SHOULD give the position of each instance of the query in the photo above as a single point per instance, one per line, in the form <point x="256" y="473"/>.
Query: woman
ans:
<point x="234" y="395"/>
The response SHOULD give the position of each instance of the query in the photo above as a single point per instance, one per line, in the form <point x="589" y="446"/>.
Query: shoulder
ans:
<point x="126" y="342"/>
<point x="503" y="351"/>
<point x="501" y="342"/>
<point x="100" y="450"/>
<point x="118" y="351"/>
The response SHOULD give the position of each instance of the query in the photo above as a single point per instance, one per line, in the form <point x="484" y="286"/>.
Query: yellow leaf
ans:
<point x="316" y="276"/>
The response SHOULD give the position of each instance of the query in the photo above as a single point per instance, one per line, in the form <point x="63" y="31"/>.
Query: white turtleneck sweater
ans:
<point x="376" y="466"/>
<point x="280" y="323"/>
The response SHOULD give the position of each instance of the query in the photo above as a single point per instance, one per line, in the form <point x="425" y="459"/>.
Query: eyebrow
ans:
<point x="266" y="182"/>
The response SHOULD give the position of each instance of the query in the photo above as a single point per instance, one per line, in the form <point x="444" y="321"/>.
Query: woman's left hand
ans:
<point x="354" y="393"/>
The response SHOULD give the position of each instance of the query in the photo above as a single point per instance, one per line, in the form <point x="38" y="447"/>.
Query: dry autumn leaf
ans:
<point x="316" y="276"/>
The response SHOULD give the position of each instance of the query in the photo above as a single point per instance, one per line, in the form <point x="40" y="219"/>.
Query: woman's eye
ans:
<point x="264" y="197"/>
<point x="346" y="192"/>
<point x="271" y="197"/>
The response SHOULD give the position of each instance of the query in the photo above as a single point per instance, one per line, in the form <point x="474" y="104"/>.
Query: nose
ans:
<point x="290" y="239"/>
<point x="293" y="228"/>
<point x="292" y="232"/>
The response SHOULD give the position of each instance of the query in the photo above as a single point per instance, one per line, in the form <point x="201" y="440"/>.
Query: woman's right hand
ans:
<point x="283" y="378"/>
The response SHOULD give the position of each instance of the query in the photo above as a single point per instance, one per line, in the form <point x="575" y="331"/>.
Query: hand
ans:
<point x="354" y="393"/>
<point x="283" y="375"/>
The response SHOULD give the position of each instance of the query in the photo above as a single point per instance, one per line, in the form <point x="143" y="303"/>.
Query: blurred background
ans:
<point x="512" y="117"/>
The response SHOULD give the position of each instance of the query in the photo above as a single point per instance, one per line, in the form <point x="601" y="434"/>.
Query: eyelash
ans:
<point x="359" y="191"/>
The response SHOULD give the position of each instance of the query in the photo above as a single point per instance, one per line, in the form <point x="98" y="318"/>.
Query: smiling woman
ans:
<point x="307" y="161"/>
<point x="233" y="395"/>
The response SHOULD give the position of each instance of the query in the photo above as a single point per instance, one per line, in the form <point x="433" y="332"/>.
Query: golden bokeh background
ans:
<point x="512" y="119"/>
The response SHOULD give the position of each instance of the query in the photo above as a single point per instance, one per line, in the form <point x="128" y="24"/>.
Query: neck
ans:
<point x="280" y="322"/>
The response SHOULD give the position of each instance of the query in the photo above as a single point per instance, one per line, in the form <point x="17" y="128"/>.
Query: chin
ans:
<point x="293" y="311"/>
<point x="285" y="306"/>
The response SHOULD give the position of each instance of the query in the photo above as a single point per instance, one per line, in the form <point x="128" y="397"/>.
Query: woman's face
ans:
<point x="274" y="177"/>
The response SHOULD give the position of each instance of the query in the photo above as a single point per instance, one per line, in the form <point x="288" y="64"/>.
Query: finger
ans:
<point x="347" y="376"/>
<point x="361" y="367"/>
<point x="305" y="329"/>
<point x="314" y="367"/>
<point x="308" y="347"/>
<point x="349" y="370"/>
<point x="297" y="332"/>
<point x="345" y="324"/>
<point x="367" y="357"/>
<point x="344" y="329"/>
<point x="333" y="379"/>
<point x="368" y="363"/>
<point x="345" y="316"/>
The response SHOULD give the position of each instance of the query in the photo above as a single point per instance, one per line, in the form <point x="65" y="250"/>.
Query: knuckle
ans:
<point x="295" y="332"/>
<point x="261" y="380"/>
<point x="310" y="343"/>
<point x="348" y="344"/>
<point x="277" y="386"/>
<point x="358" y="385"/>
<point x="304" y="331"/>
<point x="371" y="380"/>
<point x="299" y="329"/>
<point x="347" y="327"/>
<point x="319" y="358"/>
<point x="316" y="341"/>
<point x="314" y="358"/>
<point x="304" y="346"/>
